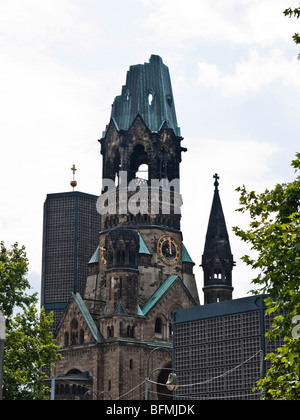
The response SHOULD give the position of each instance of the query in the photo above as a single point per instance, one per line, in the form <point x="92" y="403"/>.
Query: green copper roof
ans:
<point x="139" y="311"/>
<point x="95" y="257"/>
<point x="143" y="247"/>
<point x="185" y="255"/>
<point x="159" y="293"/>
<point x="143" y="250"/>
<point x="148" y="93"/>
<point x="88" y="319"/>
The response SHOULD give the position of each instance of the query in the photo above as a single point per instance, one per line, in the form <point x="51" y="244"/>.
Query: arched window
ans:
<point x="116" y="167"/>
<point x="150" y="98"/>
<point x="143" y="172"/>
<point x="138" y="163"/>
<point x="66" y="338"/>
<point x="121" y="246"/>
<point x="158" y="326"/>
<point x="110" y="332"/>
<point x="74" y="331"/>
<point x="130" y="331"/>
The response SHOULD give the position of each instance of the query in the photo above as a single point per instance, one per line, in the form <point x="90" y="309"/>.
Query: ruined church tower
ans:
<point x="121" y="329"/>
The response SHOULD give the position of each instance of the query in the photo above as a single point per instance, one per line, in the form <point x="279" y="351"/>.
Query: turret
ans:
<point x="217" y="259"/>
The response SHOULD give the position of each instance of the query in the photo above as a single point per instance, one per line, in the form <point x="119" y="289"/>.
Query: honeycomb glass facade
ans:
<point x="70" y="237"/>
<point x="219" y="349"/>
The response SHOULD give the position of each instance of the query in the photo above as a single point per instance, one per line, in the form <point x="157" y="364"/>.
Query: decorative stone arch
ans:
<point x="138" y="157"/>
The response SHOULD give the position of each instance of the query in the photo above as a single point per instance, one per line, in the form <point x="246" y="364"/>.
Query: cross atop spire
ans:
<point x="73" y="183"/>
<point x="216" y="177"/>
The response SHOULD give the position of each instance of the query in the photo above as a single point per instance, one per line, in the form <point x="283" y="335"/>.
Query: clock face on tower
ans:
<point x="168" y="250"/>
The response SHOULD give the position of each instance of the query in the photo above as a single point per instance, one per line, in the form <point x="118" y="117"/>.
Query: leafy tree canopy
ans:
<point x="294" y="13"/>
<point x="30" y="348"/>
<point x="274" y="235"/>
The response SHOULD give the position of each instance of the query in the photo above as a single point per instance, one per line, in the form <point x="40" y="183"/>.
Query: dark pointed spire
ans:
<point x="217" y="240"/>
<point x="217" y="259"/>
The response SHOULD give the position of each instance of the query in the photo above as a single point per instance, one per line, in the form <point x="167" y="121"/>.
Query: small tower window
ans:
<point x="110" y="332"/>
<point x="81" y="337"/>
<point x="142" y="172"/>
<point x="150" y="98"/>
<point x="66" y="338"/>
<point x="139" y="162"/>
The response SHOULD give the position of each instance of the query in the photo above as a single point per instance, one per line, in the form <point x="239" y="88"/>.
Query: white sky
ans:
<point x="236" y="82"/>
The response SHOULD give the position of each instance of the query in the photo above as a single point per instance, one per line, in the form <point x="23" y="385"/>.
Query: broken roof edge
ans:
<point x="164" y="125"/>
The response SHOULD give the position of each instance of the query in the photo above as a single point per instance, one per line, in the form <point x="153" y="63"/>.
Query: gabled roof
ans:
<point x="120" y="309"/>
<point x="159" y="293"/>
<point x="88" y="319"/>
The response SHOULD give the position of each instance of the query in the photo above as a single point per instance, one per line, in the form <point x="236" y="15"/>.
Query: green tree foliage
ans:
<point x="13" y="281"/>
<point x="294" y="13"/>
<point x="274" y="235"/>
<point x="29" y="345"/>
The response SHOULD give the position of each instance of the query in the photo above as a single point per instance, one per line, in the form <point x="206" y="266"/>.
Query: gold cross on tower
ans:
<point x="73" y="183"/>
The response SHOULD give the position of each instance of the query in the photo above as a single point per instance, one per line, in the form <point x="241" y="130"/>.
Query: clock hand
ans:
<point x="170" y="246"/>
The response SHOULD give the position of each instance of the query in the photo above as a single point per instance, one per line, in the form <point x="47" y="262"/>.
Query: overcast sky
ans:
<point x="236" y="84"/>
